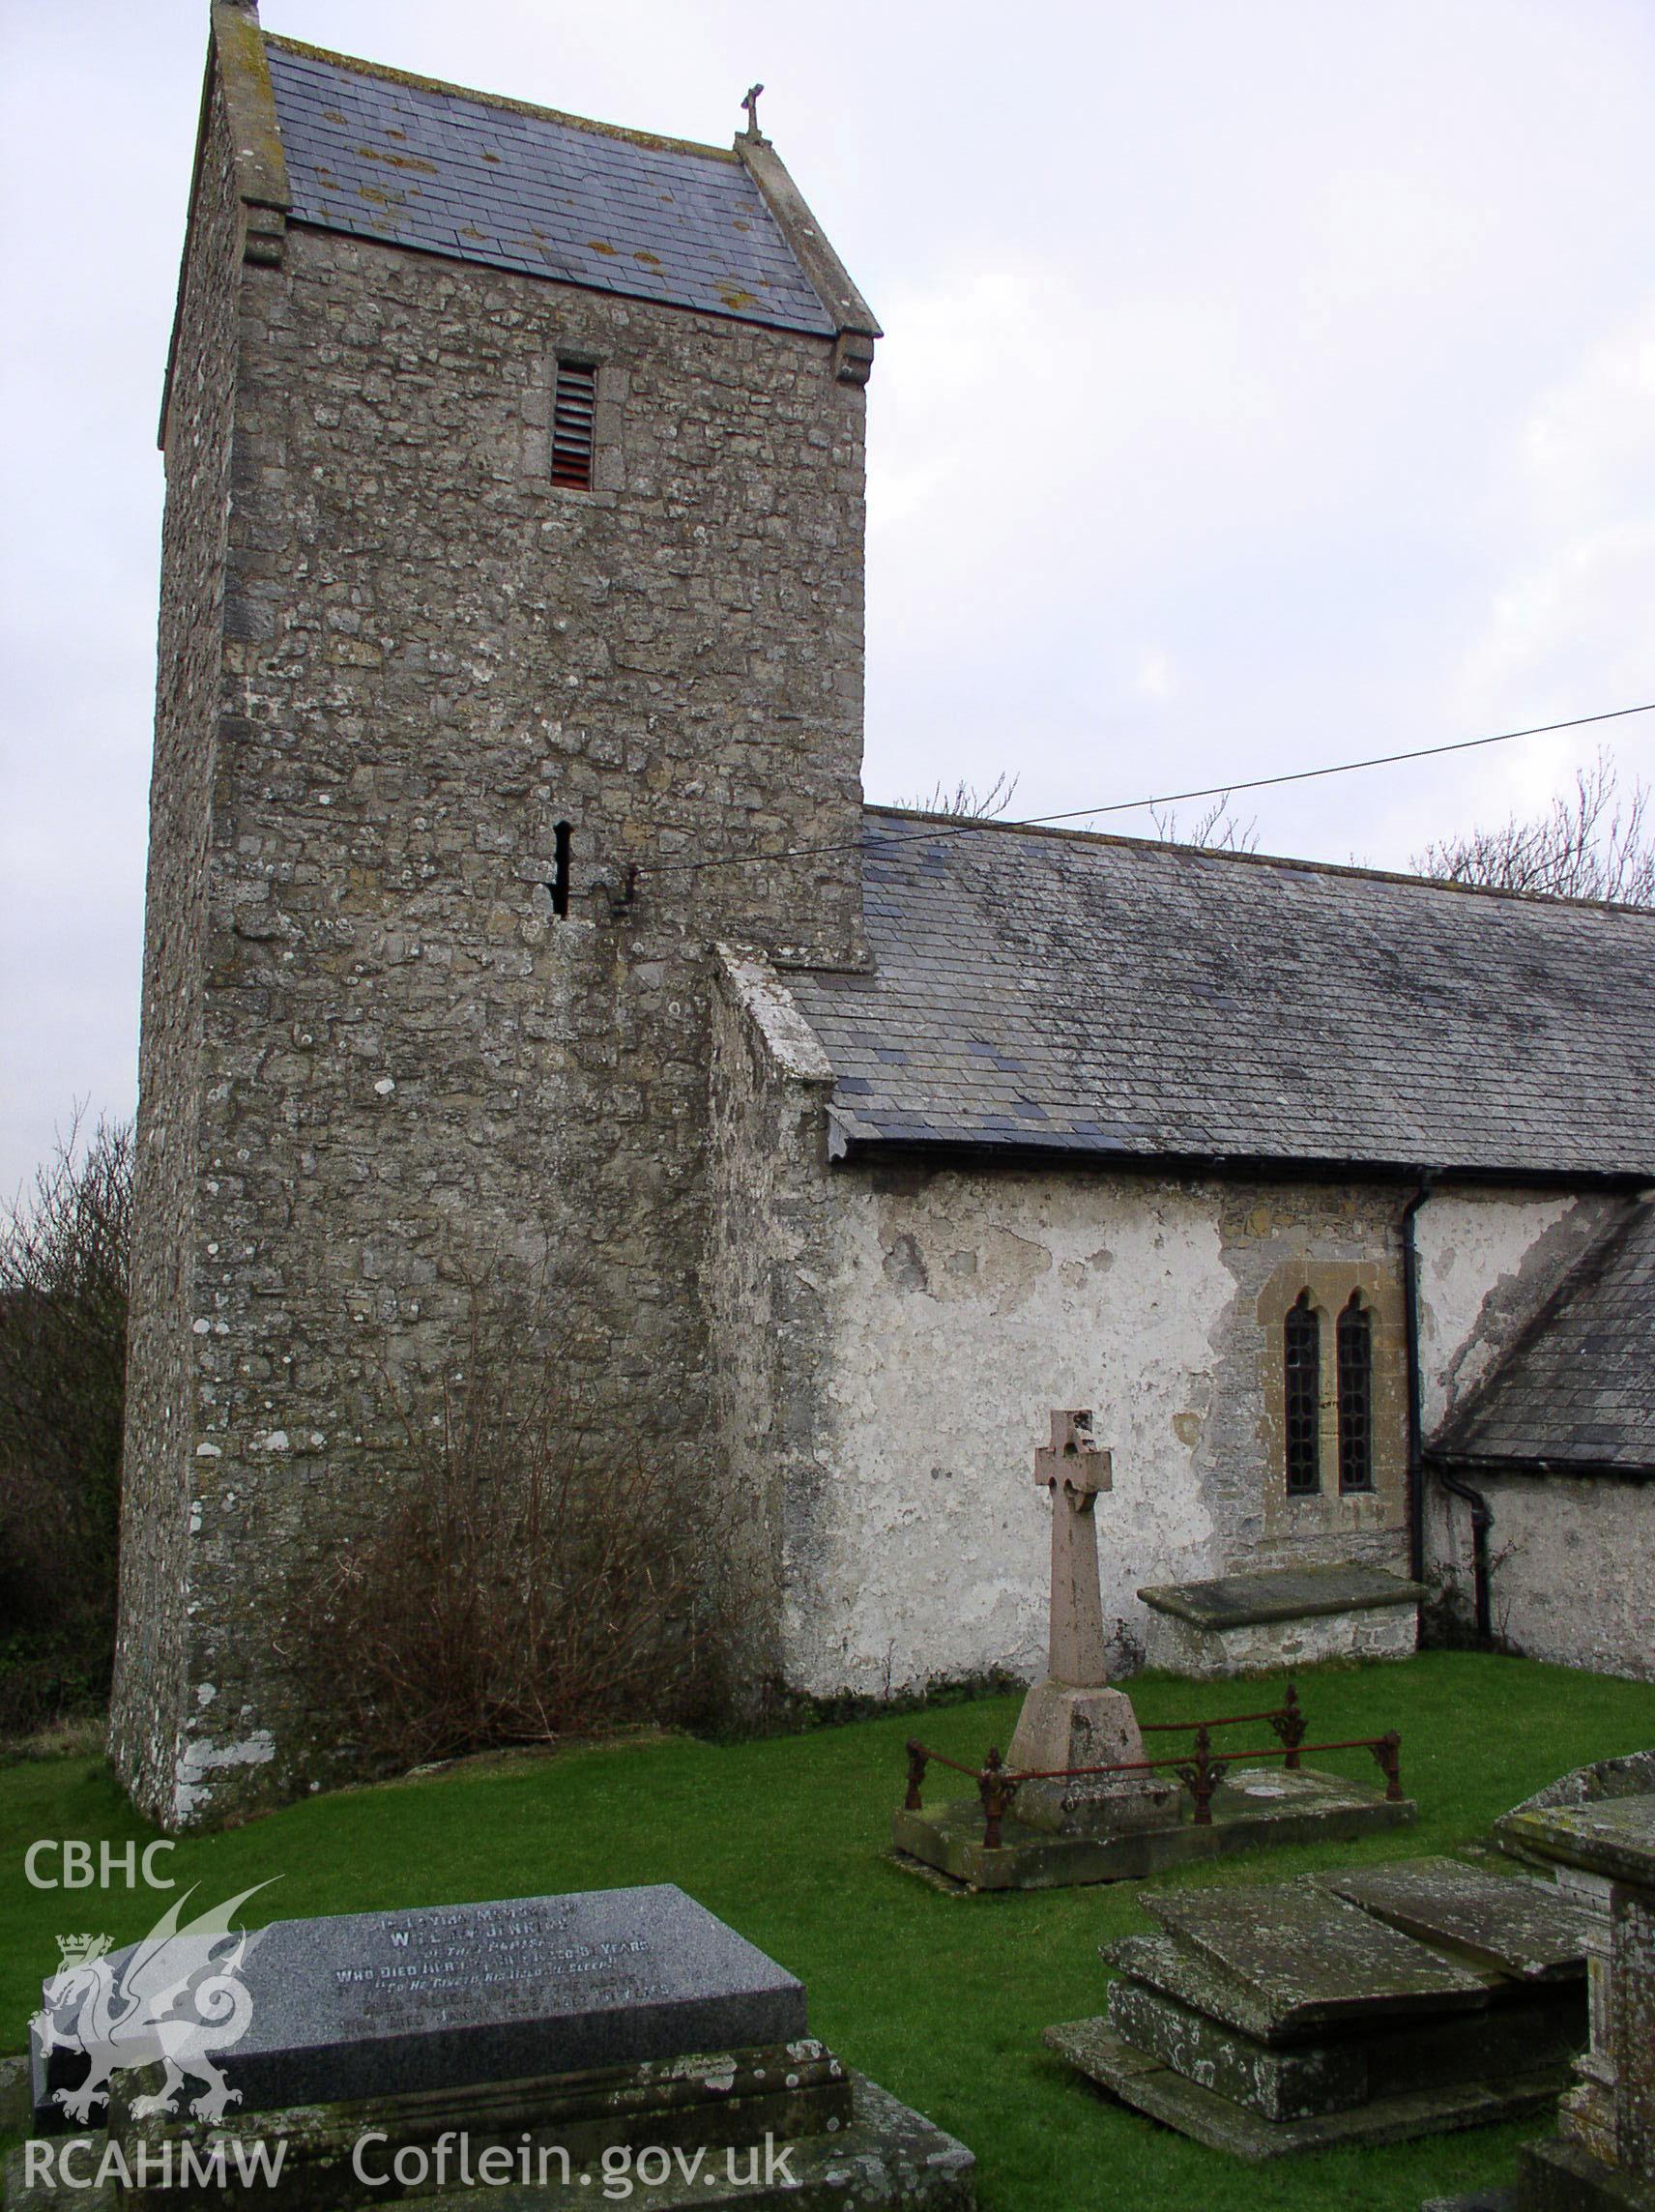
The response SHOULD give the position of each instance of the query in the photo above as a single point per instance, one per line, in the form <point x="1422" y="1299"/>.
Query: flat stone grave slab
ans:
<point x="378" y="2003"/>
<point x="1526" y="1929"/>
<point x="1312" y="1961"/>
<point x="1183" y="1975"/>
<point x="1255" y="1805"/>
<point x="566" y="2041"/>
<point x="1283" y="1593"/>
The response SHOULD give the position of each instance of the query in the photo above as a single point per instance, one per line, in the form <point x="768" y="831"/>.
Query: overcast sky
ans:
<point x="1263" y="385"/>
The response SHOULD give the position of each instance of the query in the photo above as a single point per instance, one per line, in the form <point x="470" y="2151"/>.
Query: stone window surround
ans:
<point x="1331" y="1512"/>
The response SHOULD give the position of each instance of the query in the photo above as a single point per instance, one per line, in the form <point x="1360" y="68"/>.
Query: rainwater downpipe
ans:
<point x="1482" y="1518"/>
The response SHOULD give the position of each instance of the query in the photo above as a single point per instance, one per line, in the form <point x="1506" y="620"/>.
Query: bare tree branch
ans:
<point x="1215" y="830"/>
<point x="1595" y="842"/>
<point x="967" y="802"/>
<point x="64" y="1249"/>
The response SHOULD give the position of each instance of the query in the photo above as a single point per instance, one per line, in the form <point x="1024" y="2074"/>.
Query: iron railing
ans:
<point x="1200" y="1771"/>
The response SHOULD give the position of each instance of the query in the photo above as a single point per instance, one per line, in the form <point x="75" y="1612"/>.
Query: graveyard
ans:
<point x="606" y="1206"/>
<point x="940" y="1997"/>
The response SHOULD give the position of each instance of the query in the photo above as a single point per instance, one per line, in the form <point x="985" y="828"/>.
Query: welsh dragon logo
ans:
<point x="174" y="1998"/>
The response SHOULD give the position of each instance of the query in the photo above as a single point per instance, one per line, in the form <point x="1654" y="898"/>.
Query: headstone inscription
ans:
<point x="572" y="2030"/>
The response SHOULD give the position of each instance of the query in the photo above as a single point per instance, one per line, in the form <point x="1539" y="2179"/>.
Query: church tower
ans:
<point x="512" y="564"/>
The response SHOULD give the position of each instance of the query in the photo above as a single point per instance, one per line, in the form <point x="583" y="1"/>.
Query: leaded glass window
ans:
<point x="1356" y="1377"/>
<point x="1302" y="1348"/>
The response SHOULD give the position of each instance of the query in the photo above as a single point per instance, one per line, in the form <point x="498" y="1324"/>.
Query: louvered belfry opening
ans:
<point x="575" y="411"/>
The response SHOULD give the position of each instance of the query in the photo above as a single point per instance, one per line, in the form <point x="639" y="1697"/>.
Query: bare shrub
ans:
<point x="1594" y="842"/>
<point x="64" y="1251"/>
<point x="527" y="1579"/>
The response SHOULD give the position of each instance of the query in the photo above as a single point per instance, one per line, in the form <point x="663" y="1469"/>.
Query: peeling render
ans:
<point x="201" y="1759"/>
<point x="961" y="1305"/>
<point x="963" y="1308"/>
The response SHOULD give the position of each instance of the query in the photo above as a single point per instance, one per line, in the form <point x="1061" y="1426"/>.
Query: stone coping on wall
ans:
<point x="1284" y="1593"/>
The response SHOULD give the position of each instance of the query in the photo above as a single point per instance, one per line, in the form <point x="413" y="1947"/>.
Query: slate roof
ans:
<point x="1577" y="1391"/>
<point x="1102" y="998"/>
<point x="389" y="156"/>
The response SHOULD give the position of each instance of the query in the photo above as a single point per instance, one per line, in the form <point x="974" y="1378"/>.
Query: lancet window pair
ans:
<point x="1354" y="1387"/>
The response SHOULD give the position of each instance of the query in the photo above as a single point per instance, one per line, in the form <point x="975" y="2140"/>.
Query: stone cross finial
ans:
<point x="750" y="101"/>
<point x="1074" y="1470"/>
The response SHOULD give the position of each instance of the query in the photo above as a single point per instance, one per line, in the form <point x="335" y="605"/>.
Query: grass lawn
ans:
<point x="940" y="1997"/>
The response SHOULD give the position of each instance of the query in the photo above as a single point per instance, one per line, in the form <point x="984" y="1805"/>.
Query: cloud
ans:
<point x="1156" y="677"/>
<point x="1566" y="627"/>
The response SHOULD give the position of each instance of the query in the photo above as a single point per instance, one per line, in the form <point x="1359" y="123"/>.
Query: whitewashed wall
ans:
<point x="891" y="1340"/>
<point x="962" y="1313"/>
<point x="959" y="1308"/>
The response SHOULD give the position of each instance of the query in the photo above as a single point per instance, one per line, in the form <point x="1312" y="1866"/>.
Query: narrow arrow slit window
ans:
<point x="575" y="414"/>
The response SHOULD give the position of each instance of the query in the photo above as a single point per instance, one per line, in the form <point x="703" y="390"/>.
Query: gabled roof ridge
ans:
<point x="1062" y="833"/>
<point x="650" y="139"/>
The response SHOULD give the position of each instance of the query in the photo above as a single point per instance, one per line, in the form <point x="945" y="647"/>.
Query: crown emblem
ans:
<point x="82" y="1950"/>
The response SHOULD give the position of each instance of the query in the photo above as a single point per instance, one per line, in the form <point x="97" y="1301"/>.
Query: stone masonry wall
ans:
<point x="409" y="1068"/>
<point x="155" y="1537"/>
<point x="771" y="1203"/>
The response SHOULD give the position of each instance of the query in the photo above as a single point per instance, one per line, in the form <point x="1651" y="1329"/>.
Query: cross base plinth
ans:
<point x="1062" y="1727"/>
